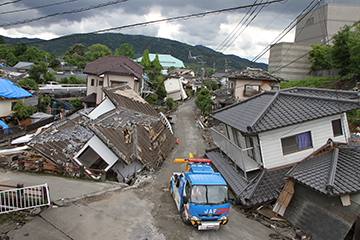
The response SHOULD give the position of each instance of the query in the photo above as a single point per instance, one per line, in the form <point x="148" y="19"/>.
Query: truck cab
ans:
<point x="200" y="194"/>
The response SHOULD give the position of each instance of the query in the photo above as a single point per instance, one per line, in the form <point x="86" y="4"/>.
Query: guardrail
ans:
<point x="60" y="169"/>
<point x="234" y="152"/>
<point x="24" y="198"/>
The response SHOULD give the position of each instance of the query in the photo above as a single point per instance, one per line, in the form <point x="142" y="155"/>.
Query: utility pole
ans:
<point x="200" y="61"/>
<point x="226" y="64"/>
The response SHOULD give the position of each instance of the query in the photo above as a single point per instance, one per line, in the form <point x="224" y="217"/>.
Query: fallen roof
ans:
<point x="261" y="187"/>
<point x="124" y="96"/>
<point x="332" y="170"/>
<point x="114" y="64"/>
<point x="61" y="140"/>
<point x="274" y="109"/>
<point x="9" y="90"/>
<point x="91" y="98"/>
<point x="254" y="74"/>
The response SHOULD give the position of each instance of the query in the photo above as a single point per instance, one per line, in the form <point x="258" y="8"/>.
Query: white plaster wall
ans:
<point x="101" y="149"/>
<point x="321" y="131"/>
<point x="104" y="107"/>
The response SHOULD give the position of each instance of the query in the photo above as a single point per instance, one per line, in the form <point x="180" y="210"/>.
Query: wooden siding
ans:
<point x="321" y="131"/>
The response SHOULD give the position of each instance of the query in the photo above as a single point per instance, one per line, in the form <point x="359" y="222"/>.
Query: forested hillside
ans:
<point x="140" y="43"/>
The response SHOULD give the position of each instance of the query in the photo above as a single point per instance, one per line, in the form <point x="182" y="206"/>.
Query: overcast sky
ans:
<point x="210" y="30"/>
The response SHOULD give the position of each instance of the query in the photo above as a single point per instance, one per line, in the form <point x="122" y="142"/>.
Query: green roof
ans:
<point x="166" y="60"/>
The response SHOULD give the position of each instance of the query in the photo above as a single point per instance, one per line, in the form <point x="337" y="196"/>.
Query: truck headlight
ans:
<point x="223" y="220"/>
<point x="194" y="218"/>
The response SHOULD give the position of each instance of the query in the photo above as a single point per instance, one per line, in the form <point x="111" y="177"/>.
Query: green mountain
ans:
<point x="140" y="43"/>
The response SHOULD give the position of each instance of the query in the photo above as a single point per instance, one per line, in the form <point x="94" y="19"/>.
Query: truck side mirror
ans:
<point x="185" y="199"/>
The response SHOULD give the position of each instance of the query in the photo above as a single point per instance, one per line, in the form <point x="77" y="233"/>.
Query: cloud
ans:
<point x="208" y="30"/>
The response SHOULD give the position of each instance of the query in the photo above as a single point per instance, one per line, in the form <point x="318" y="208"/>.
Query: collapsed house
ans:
<point x="121" y="136"/>
<point x="322" y="191"/>
<point x="267" y="134"/>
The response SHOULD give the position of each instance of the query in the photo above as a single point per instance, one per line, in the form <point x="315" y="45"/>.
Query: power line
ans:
<point x="185" y="17"/>
<point x="252" y="19"/>
<point x="42" y="6"/>
<point x="284" y="32"/>
<point x="63" y="13"/>
<point x="6" y="3"/>
<point x="232" y="32"/>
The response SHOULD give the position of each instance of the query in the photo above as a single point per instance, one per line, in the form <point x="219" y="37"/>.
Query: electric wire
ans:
<point x="6" y="3"/>
<point x="38" y="7"/>
<point x="185" y="17"/>
<point x="224" y="42"/>
<point x="284" y="32"/>
<point x="63" y="13"/>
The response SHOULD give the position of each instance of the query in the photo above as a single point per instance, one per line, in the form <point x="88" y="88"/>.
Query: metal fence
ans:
<point x="234" y="152"/>
<point x="24" y="198"/>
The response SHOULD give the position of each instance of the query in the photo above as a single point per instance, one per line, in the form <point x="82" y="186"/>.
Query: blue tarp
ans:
<point x="9" y="90"/>
<point x="3" y="125"/>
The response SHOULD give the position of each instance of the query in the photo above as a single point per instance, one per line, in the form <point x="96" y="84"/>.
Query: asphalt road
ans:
<point x="142" y="211"/>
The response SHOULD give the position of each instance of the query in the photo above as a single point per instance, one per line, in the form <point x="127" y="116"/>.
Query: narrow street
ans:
<point x="142" y="211"/>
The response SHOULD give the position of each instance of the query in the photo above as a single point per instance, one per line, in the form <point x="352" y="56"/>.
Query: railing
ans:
<point x="234" y="152"/>
<point x="166" y="122"/>
<point x="24" y="198"/>
<point x="60" y="169"/>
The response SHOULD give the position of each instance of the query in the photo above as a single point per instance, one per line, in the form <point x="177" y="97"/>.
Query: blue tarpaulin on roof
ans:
<point x="9" y="90"/>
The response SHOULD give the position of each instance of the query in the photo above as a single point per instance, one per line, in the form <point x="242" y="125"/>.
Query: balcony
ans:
<point x="235" y="153"/>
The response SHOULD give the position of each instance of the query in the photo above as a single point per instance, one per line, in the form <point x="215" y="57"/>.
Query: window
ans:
<point x="100" y="83"/>
<point x="337" y="128"/>
<point x="296" y="143"/>
<point x="92" y="82"/>
<point x="13" y="105"/>
<point x="249" y="144"/>
<point x="251" y="90"/>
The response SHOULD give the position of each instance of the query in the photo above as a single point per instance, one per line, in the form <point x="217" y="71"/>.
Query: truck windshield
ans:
<point x="209" y="194"/>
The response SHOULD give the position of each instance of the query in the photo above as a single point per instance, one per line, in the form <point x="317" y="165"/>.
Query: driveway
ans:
<point x="142" y="211"/>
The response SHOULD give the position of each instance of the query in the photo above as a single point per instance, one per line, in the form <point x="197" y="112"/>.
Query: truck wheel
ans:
<point x="186" y="221"/>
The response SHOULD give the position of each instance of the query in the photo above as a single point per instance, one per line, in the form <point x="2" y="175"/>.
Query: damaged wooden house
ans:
<point x="267" y="134"/>
<point x="322" y="193"/>
<point x="122" y="135"/>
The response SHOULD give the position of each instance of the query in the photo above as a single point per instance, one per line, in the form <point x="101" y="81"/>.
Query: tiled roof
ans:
<point x="261" y="187"/>
<point x="123" y="96"/>
<point x="114" y="64"/>
<point x="61" y="140"/>
<point x="91" y="98"/>
<point x="333" y="170"/>
<point x="254" y="74"/>
<point x="275" y="109"/>
<point x="327" y="93"/>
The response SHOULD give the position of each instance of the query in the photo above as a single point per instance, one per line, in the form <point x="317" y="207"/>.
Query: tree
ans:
<point x="7" y="53"/>
<point x="28" y="82"/>
<point x="145" y="61"/>
<point x="49" y="77"/>
<point x="2" y="40"/>
<point x="170" y="103"/>
<point x="35" y="72"/>
<point x="43" y="101"/>
<point x="76" y="56"/>
<point x="203" y="101"/>
<point x="214" y="85"/>
<point x="341" y="50"/>
<point x="156" y="64"/>
<point x="116" y="52"/>
<point x="75" y="80"/>
<point x="161" y="91"/>
<point x="319" y="58"/>
<point x="126" y="50"/>
<point x="22" y="110"/>
<point x="97" y="51"/>
<point x="32" y="54"/>
<point x="76" y="103"/>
